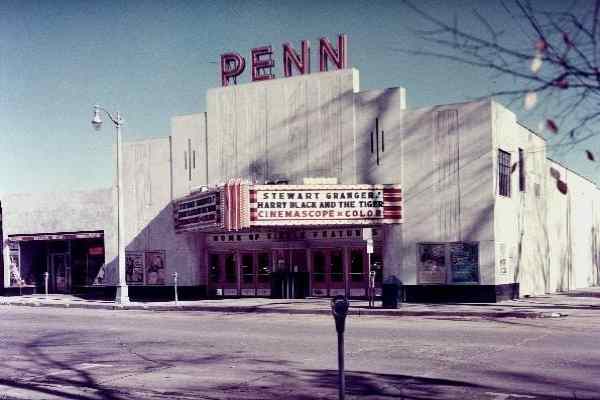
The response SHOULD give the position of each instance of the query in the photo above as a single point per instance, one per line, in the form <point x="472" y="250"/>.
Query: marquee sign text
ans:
<point x="324" y="205"/>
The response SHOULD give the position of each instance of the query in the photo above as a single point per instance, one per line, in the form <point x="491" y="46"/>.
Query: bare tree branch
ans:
<point x="560" y="63"/>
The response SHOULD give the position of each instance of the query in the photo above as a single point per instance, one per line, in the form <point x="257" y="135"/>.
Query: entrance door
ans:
<point x="60" y="273"/>
<point x="255" y="270"/>
<point x="223" y="274"/>
<point x="290" y="273"/>
<point x="359" y="272"/>
<point x="328" y="277"/>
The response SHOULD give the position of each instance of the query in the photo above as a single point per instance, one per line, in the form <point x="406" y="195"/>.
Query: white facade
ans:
<point x="445" y="158"/>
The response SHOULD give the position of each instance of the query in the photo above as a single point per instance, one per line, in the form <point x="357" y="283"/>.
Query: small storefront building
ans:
<point x="69" y="261"/>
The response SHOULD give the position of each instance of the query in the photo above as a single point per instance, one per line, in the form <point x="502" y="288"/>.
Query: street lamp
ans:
<point x="122" y="296"/>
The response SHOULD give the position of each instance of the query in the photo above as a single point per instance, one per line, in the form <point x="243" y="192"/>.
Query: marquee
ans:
<point x="237" y="205"/>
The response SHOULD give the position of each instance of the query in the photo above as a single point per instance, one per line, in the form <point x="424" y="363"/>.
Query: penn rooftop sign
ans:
<point x="262" y="62"/>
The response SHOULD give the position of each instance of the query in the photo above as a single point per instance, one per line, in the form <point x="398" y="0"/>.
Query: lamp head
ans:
<point x="97" y="121"/>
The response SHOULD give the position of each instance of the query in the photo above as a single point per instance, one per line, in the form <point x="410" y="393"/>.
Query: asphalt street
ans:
<point x="48" y="353"/>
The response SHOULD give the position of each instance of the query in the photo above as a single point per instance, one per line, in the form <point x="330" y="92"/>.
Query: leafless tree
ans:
<point x="557" y="61"/>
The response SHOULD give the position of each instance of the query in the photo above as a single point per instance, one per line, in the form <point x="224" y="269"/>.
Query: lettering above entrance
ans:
<point x="236" y="205"/>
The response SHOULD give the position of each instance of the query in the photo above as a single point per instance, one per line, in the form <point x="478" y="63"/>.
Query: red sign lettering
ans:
<point x="233" y="64"/>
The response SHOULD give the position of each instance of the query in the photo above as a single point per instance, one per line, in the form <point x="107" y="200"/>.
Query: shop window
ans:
<point x="247" y="268"/>
<point x="319" y="266"/>
<point x="213" y="268"/>
<point x="264" y="267"/>
<point x="503" y="173"/>
<point x="356" y="266"/>
<point x="337" y="266"/>
<point x="230" y="269"/>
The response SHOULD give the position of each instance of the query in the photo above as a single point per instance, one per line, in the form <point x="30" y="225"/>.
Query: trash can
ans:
<point x="392" y="294"/>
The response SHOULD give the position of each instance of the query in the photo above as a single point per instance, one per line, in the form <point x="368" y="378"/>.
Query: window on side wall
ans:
<point x="503" y="173"/>
<point x="521" y="170"/>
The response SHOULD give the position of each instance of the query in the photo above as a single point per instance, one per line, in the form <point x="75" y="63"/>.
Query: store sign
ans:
<point x="262" y="61"/>
<point x="56" y="236"/>
<point x="96" y="251"/>
<point x="286" y="205"/>
<point x="198" y="211"/>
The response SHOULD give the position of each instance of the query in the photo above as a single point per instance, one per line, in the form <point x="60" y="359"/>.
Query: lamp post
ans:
<point x="122" y="296"/>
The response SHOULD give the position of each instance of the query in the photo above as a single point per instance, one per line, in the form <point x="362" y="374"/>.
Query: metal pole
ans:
<point x="175" y="286"/>
<point x="341" y="372"/>
<point x="369" y="290"/>
<point x="122" y="296"/>
<point x="46" y="284"/>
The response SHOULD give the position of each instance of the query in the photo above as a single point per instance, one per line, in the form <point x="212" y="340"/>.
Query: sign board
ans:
<point x="56" y="236"/>
<point x="285" y="205"/>
<point x="464" y="262"/>
<point x="262" y="62"/>
<point x="370" y="246"/>
<point x="134" y="267"/>
<point x="237" y="205"/>
<point x="432" y="263"/>
<point x="96" y="251"/>
<point x="155" y="267"/>
<point x="367" y="233"/>
<point x="198" y="211"/>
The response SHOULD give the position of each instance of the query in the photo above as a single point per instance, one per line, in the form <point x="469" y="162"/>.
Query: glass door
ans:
<point x="248" y="271"/>
<point x="337" y="277"/>
<point x="290" y="275"/>
<point x="60" y="273"/>
<point x="328" y="277"/>
<point x="263" y="276"/>
<point x="222" y="274"/>
<point x="359" y="272"/>
<point x="319" y="273"/>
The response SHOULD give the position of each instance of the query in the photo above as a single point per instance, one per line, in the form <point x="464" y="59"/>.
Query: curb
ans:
<point x="270" y="310"/>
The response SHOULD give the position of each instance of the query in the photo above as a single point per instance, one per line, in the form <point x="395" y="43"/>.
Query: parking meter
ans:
<point x="371" y="289"/>
<point x="46" y="283"/>
<point x="175" y="276"/>
<point x="339" y="310"/>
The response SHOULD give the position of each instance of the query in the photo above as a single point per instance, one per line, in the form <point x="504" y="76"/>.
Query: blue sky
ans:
<point x="152" y="60"/>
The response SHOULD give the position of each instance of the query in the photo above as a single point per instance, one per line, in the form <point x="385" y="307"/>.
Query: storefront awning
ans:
<point x="56" y="236"/>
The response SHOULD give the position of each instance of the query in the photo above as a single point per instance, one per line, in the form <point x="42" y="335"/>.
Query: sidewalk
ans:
<point x="579" y="302"/>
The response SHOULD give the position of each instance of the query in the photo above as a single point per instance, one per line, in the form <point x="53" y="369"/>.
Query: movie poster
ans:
<point x="15" y="270"/>
<point x="155" y="268"/>
<point x="464" y="262"/>
<point x="134" y="268"/>
<point x="432" y="264"/>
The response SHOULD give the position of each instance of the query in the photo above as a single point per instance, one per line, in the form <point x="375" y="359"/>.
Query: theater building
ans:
<point x="267" y="194"/>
